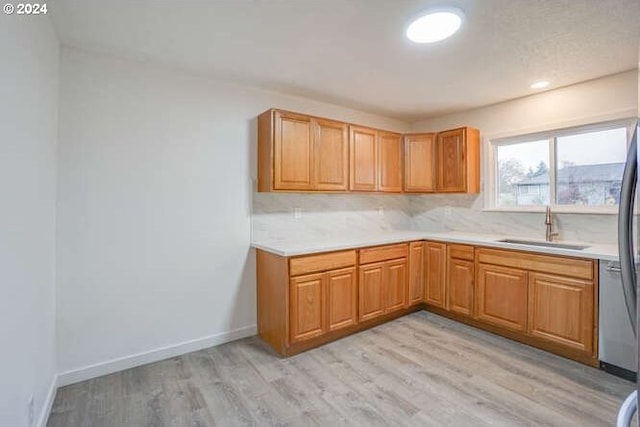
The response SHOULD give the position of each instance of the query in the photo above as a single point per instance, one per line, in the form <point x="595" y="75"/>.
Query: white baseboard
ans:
<point x="122" y="363"/>
<point x="48" y="403"/>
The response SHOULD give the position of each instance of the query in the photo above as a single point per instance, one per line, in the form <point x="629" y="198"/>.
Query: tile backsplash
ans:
<point x="460" y="212"/>
<point x="300" y="215"/>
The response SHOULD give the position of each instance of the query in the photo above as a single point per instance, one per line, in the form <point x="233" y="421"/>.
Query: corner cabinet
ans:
<point x="458" y="161"/>
<point x="416" y="273"/>
<point x="444" y="162"/>
<point x="297" y="152"/>
<point x="435" y="287"/>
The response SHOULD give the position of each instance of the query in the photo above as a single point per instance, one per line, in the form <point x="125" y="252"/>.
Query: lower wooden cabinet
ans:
<point x="305" y="301"/>
<point x="383" y="284"/>
<point x="502" y="296"/>
<point x="307" y="307"/>
<point x="319" y="303"/>
<point x="542" y="300"/>
<point x="561" y="310"/>
<point x="460" y="280"/>
<point x="371" y="291"/>
<point x="416" y="273"/>
<point x="342" y="298"/>
<point x="396" y="285"/>
<point x="435" y="274"/>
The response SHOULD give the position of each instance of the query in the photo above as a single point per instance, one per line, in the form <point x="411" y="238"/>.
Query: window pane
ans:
<point x="590" y="167"/>
<point x="523" y="174"/>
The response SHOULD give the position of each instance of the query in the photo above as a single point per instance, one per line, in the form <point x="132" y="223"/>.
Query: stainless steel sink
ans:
<point x="544" y="244"/>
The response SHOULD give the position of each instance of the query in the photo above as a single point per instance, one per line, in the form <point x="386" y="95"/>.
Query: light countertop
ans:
<point x="293" y="247"/>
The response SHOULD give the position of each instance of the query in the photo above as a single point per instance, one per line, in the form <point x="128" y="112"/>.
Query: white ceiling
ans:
<point x="353" y="52"/>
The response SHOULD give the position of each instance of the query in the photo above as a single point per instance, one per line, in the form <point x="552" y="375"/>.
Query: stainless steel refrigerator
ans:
<point x="628" y="255"/>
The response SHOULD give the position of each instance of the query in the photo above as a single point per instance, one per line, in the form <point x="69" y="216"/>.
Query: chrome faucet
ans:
<point x="549" y="223"/>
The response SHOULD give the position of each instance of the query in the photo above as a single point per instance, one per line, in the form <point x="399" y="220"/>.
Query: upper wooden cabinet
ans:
<point x="292" y="152"/>
<point x="458" y="161"/>
<point x="297" y="152"/>
<point x="389" y="162"/>
<point x="363" y="152"/>
<point x="420" y="163"/>
<point x="330" y="155"/>
<point x="376" y="160"/>
<point x="446" y="162"/>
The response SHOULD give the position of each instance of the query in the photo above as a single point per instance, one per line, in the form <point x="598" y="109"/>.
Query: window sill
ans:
<point x="558" y="210"/>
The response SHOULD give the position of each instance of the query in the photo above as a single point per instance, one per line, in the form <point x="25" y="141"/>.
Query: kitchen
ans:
<point x="145" y="186"/>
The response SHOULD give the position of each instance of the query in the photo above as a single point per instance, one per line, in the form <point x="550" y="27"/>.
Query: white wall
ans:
<point x="28" y="132"/>
<point x="602" y="99"/>
<point x="607" y="98"/>
<point x="155" y="195"/>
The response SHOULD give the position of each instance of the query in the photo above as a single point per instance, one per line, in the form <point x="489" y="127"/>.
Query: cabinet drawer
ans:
<point x="461" y="252"/>
<point x="565" y="266"/>
<point x="321" y="262"/>
<point x="383" y="253"/>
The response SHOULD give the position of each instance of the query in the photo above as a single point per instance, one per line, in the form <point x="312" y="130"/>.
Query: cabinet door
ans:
<point x="371" y="295"/>
<point x="342" y="298"/>
<point x="395" y="285"/>
<point x="331" y="155"/>
<point x="363" y="158"/>
<point x="307" y="311"/>
<point x="460" y="286"/>
<point x="435" y="290"/>
<point x="390" y="162"/>
<point x="561" y="310"/>
<point x="451" y="161"/>
<point x="293" y="151"/>
<point x="419" y="163"/>
<point x="416" y="273"/>
<point x="502" y="297"/>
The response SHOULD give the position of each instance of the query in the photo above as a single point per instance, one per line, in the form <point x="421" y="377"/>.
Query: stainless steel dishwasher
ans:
<point x="616" y="340"/>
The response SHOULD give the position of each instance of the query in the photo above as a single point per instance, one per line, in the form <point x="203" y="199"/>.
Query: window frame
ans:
<point x="491" y="174"/>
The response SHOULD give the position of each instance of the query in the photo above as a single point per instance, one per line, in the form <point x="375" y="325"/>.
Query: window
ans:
<point x="578" y="167"/>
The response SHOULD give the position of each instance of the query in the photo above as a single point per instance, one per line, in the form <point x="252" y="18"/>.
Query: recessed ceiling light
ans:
<point x="435" y="26"/>
<point x="539" y="85"/>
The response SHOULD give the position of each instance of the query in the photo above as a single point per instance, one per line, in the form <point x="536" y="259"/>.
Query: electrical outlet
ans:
<point x="297" y="214"/>
<point x="31" y="414"/>
<point x="380" y="211"/>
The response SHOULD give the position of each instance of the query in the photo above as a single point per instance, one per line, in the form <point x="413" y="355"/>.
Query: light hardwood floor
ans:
<point x="421" y="370"/>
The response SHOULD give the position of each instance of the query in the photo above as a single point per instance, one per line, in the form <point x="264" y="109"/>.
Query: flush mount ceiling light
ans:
<point x="434" y="26"/>
<point x="539" y="84"/>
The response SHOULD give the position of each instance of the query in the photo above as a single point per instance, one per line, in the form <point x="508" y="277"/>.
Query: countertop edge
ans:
<point x="594" y="251"/>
